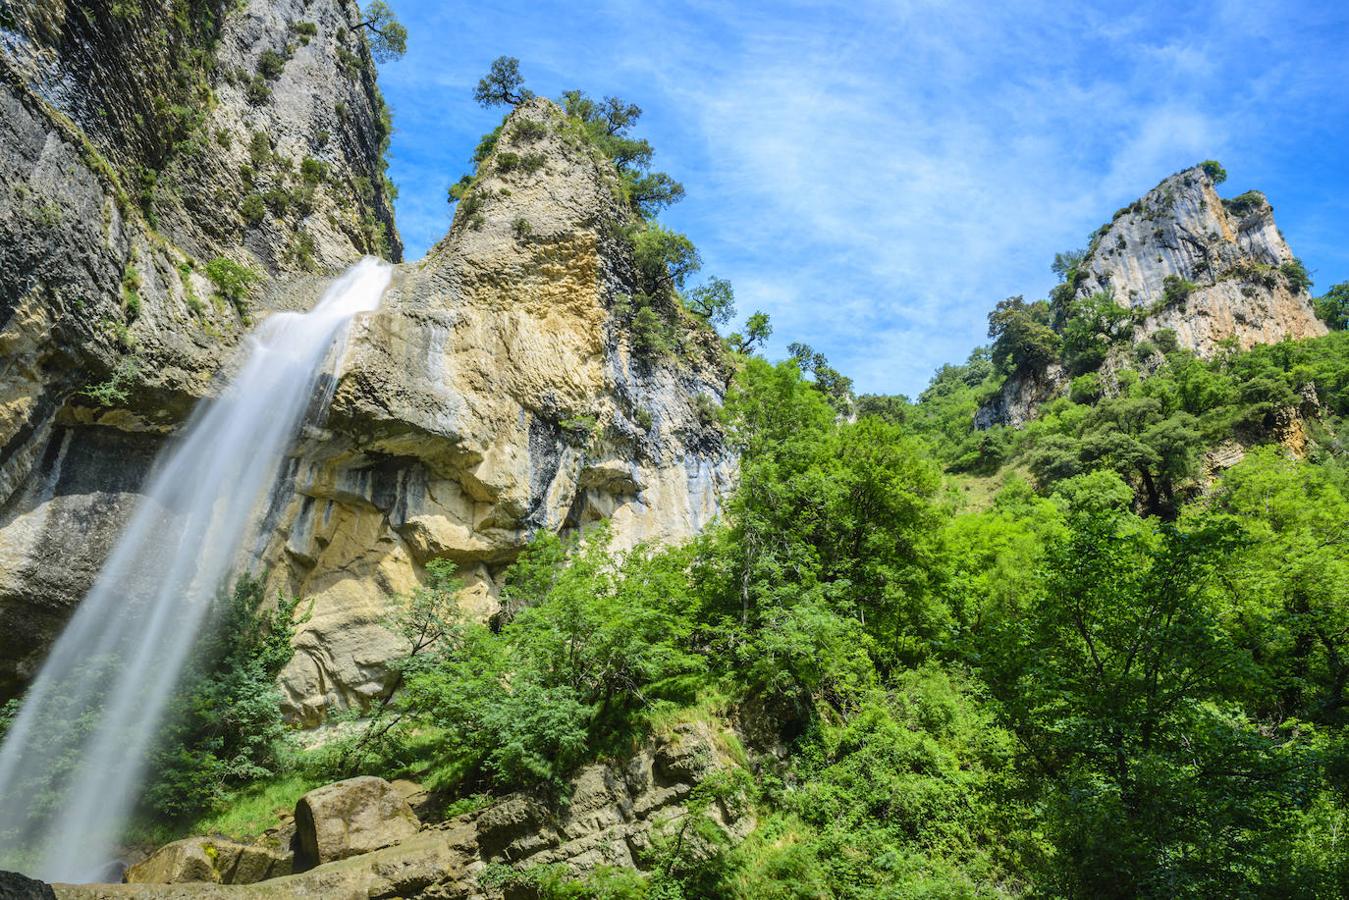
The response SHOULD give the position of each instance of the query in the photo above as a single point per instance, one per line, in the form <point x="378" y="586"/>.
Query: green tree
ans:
<point x="714" y="301"/>
<point x="1022" y="338"/>
<point x="1333" y="306"/>
<point x="503" y="85"/>
<point x="1116" y="682"/>
<point x="388" y="37"/>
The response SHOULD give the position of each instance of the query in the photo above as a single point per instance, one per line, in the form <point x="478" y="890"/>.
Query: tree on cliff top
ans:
<point x="388" y="37"/>
<point x="503" y="84"/>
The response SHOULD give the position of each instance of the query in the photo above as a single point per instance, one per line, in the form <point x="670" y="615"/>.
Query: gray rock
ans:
<point x="349" y="818"/>
<point x="14" y="886"/>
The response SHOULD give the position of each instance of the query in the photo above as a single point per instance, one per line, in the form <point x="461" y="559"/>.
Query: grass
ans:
<point x="256" y="809"/>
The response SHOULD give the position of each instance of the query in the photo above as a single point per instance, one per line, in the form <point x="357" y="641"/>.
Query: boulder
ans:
<point x="349" y="818"/>
<point x="14" y="886"/>
<point x="213" y="860"/>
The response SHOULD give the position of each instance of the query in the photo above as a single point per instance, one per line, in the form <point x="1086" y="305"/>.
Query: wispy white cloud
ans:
<point x="876" y="175"/>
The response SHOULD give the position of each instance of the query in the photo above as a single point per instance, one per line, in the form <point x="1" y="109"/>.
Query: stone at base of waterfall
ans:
<point x="213" y="860"/>
<point x="350" y="818"/>
<point x="14" y="886"/>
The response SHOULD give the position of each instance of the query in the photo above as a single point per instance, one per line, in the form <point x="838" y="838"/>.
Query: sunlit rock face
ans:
<point x="1230" y="252"/>
<point x="494" y="394"/>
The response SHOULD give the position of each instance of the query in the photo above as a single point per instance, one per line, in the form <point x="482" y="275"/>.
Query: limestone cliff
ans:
<point x="496" y="392"/>
<point x="1210" y="270"/>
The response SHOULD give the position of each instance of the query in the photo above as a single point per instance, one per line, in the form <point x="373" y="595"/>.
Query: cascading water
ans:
<point x="74" y="758"/>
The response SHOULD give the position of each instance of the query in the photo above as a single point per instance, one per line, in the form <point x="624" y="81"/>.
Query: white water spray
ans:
<point x="73" y="761"/>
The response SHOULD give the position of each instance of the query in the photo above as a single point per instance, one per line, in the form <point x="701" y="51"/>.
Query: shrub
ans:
<point x="521" y="228"/>
<point x="231" y="280"/>
<point x="1166" y="340"/>
<point x="270" y="64"/>
<point x="1085" y="389"/>
<point x="313" y="171"/>
<point x="1333" y="307"/>
<point x="1295" y="275"/>
<point x="228" y="731"/>
<point x="254" y="209"/>
<point x="1175" y="289"/>
<point x="1214" y="170"/>
<point x="527" y="130"/>
<point x="257" y="92"/>
<point x="1244" y="204"/>
<point x="131" y="297"/>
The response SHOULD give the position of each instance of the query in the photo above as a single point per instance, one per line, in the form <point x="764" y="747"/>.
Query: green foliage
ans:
<point x="1175" y="289"/>
<point x="1050" y="695"/>
<point x="1092" y="325"/>
<point x="606" y="125"/>
<point x="592" y="646"/>
<point x="1214" y="170"/>
<point x="714" y="301"/>
<point x="232" y="281"/>
<point x="1022" y="338"/>
<point x="113" y="391"/>
<point x="271" y="64"/>
<point x="227" y="730"/>
<point x="836" y="386"/>
<point x="1333" y="307"/>
<point x="387" y="38"/>
<point x="502" y="85"/>
<point x="253" y="208"/>
<point x="1295" y="275"/>
<point x="665" y="259"/>
<point x="758" y="329"/>
<point x="131" y="297"/>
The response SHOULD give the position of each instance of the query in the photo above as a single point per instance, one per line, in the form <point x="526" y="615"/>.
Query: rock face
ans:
<point x="349" y="818"/>
<point x="14" y="886"/>
<point x="615" y="813"/>
<point x="1229" y="270"/>
<point x="495" y="394"/>
<point x="133" y="137"/>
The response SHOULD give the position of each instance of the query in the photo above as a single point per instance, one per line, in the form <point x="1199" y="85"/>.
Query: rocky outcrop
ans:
<point x="1229" y="252"/>
<point x="1211" y="271"/>
<point x="613" y="815"/>
<point x="210" y="860"/>
<point x="350" y="818"/>
<point x="494" y="395"/>
<point x="14" y="886"/>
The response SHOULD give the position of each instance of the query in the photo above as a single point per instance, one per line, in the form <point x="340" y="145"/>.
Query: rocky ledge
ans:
<point x="360" y="839"/>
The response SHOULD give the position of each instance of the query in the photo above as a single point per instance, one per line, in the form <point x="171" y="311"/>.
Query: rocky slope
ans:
<point x="493" y="395"/>
<point x="1235" y="280"/>
<point x="369" y="844"/>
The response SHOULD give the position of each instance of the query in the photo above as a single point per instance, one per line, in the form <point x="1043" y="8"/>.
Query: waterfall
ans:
<point x="74" y="758"/>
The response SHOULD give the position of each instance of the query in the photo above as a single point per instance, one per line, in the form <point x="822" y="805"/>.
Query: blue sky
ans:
<point x="876" y="175"/>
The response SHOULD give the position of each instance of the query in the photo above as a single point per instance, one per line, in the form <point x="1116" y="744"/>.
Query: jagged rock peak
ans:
<point x="1229" y="271"/>
<point x="1212" y="271"/>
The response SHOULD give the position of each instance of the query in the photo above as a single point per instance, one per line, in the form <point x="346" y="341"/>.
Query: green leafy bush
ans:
<point x="231" y="280"/>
